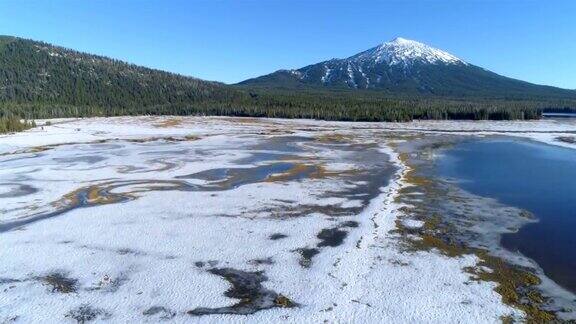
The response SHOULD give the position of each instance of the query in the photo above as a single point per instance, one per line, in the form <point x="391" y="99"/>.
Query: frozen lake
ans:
<point x="201" y="219"/>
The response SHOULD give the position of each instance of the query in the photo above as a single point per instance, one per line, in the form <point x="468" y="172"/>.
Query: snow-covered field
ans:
<point x="205" y="219"/>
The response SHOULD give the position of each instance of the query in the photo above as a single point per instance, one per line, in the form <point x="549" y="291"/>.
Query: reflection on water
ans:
<point x="559" y="115"/>
<point x="230" y="178"/>
<point x="258" y="157"/>
<point x="536" y="177"/>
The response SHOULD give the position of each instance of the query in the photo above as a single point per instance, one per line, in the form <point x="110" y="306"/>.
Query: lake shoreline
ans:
<point x="467" y="223"/>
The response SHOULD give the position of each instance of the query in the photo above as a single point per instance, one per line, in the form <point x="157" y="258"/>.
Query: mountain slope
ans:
<point x="406" y="67"/>
<point x="36" y="72"/>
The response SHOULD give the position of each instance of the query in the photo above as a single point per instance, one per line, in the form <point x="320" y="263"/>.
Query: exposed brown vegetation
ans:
<point x="516" y="285"/>
<point x="167" y="123"/>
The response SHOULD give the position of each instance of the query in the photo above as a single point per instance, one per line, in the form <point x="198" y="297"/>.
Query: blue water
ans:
<point x="559" y="115"/>
<point x="537" y="177"/>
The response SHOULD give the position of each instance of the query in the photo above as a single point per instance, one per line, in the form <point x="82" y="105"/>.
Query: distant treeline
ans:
<point x="302" y="106"/>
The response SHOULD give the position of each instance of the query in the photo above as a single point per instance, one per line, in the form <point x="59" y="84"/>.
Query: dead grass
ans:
<point x="294" y="172"/>
<point x="334" y="138"/>
<point x="516" y="286"/>
<point x="310" y="171"/>
<point x="93" y="196"/>
<point x="60" y="283"/>
<point x="167" y="123"/>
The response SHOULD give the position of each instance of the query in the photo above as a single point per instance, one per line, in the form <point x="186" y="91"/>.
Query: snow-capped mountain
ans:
<point x="404" y="66"/>
<point x="404" y="52"/>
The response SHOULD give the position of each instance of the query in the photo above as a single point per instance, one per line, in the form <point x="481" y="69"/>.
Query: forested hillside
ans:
<point x="38" y="80"/>
<point x="45" y="74"/>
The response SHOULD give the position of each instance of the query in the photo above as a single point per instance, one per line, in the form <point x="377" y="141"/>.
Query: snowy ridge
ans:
<point x="402" y="51"/>
<point x="398" y="59"/>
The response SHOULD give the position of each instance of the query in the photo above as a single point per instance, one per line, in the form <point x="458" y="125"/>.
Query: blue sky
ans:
<point x="233" y="40"/>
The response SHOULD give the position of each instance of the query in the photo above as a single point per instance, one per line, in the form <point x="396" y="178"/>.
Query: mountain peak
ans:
<point x="400" y="40"/>
<point x="405" y="52"/>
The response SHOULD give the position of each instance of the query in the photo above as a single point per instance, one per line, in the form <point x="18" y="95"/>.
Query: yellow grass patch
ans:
<point x="171" y="122"/>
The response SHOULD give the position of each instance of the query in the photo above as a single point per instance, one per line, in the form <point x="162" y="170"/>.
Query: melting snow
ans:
<point x="154" y="256"/>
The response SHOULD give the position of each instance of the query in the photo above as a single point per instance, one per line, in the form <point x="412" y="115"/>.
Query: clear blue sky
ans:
<point x="233" y="40"/>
